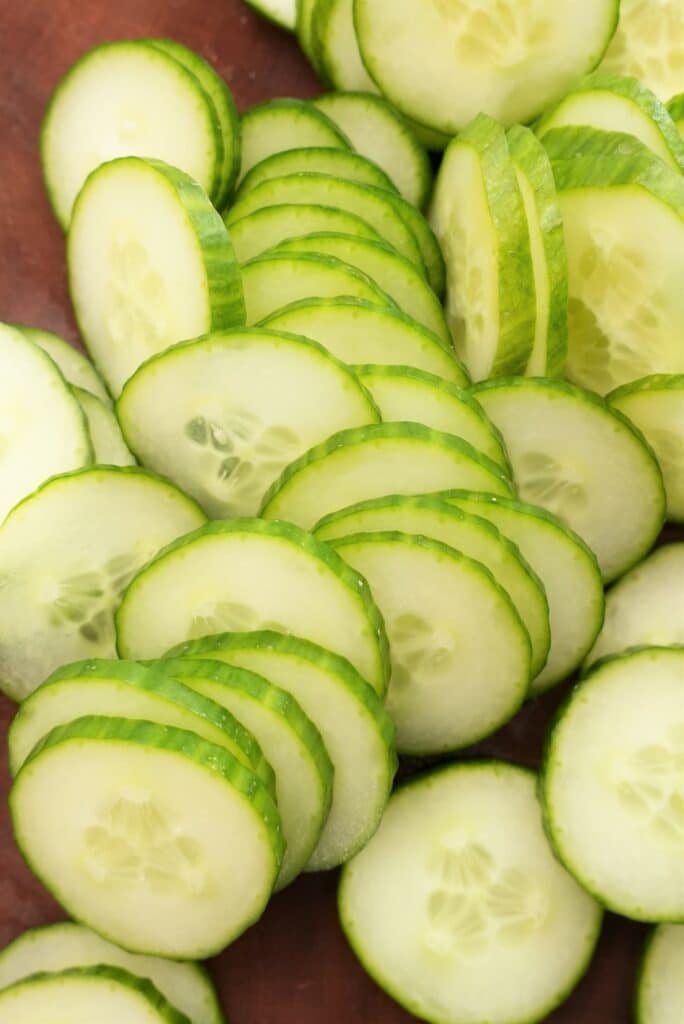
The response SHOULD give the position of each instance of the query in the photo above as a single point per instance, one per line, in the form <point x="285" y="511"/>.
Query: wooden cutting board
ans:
<point x="294" y="967"/>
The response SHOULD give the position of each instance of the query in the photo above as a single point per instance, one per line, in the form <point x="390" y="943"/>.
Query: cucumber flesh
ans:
<point x="647" y="45"/>
<point x="334" y="39"/>
<point x="75" y="367"/>
<point x="266" y="228"/>
<point x="281" y="124"/>
<point x="660" y="992"/>
<point x="338" y="163"/>
<point x="675" y="108"/>
<point x="109" y="447"/>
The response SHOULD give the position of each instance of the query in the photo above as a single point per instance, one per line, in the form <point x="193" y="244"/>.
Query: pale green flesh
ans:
<point x="338" y="163"/>
<point x="648" y="45"/>
<point x="109" y="447"/>
<point x="335" y="41"/>
<point x="268" y="227"/>
<point x="660" y="995"/>
<point x="277" y="125"/>
<point x="75" y="367"/>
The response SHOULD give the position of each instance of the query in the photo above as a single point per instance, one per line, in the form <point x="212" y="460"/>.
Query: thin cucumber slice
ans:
<point x="618" y="103"/>
<point x="549" y="256"/>
<point x="430" y="249"/>
<point x="43" y="430"/>
<point x="274" y="280"/>
<point x="73" y="993"/>
<point x="167" y="844"/>
<point x="574" y="456"/>
<point x="338" y="163"/>
<point x="282" y="12"/>
<point x="58" y="947"/>
<point x="378" y="130"/>
<point x="645" y="607"/>
<point x="660" y="990"/>
<point x="349" y="714"/>
<point x="379" y="208"/>
<point x="67" y="552"/>
<point x="141" y="282"/>
<point x="466" y="533"/>
<point x="75" y="367"/>
<point x="290" y="741"/>
<point x="266" y="228"/>
<point x="612" y="781"/>
<point x="281" y="124"/>
<point x="656" y="406"/>
<point x="394" y="274"/>
<point x="647" y="45"/>
<point x="304" y="30"/>
<point x="458" y="908"/>
<point x="359" y="332"/>
<point x="254" y="575"/>
<point x="109" y="447"/>
<point x="478" y="215"/>
<point x="675" y="109"/>
<point x="334" y="39"/>
<point x="404" y="393"/>
<point x="566" y="567"/>
<point x="624" y="226"/>
<point x="509" y="60"/>
<point x="127" y="98"/>
<point x="222" y="416"/>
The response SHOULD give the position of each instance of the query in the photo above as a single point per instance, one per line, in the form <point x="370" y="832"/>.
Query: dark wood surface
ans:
<point x="294" y="966"/>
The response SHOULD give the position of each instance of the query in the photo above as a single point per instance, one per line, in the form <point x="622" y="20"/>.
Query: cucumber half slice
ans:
<point x="109" y="447"/>
<point x="280" y="124"/>
<point x="338" y="163"/>
<point x="168" y="845"/>
<point x="72" y="364"/>
<point x="266" y="228"/>
<point x="458" y="898"/>
<point x="660" y="991"/>
<point x="647" y="44"/>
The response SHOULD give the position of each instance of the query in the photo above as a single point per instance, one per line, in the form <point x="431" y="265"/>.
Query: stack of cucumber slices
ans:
<point x="356" y="451"/>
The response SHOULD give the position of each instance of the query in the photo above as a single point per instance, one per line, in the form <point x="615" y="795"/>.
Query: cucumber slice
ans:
<point x="127" y="98"/>
<point x="618" y="103"/>
<point x="458" y="908"/>
<point x="109" y="447"/>
<point x="223" y="416"/>
<point x="656" y="406"/>
<point x="567" y="568"/>
<point x="58" y="947"/>
<point x="334" y="39"/>
<point x="359" y="332"/>
<point x="168" y="845"/>
<point x="337" y="163"/>
<point x="72" y="994"/>
<point x="468" y="534"/>
<point x="66" y="553"/>
<point x="624" y="225"/>
<point x="675" y="109"/>
<point x="574" y="456"/>
<point x="404" y="393"/>
<point x="304" y="30"/>
<point x="390" y="458"/>
<point x="75" y="367"/>
<point x="478" y="215"/>
<point x="430" y="250"/>
<point x="266" y="228"/>
<point x="290" y="740"/>
<point x="43" y="430"/>
<point x="280" y="124"/>
<point x="645" y="607"/>
<point x="282" y="12"/>
<point x="274" y="280"/>
<point x="647" y="44"/>
<point x="379" y="131"/>
<point x="660" y="992"/>
<point x="358" y="734"/>
<point x="140" y="283"/>
<point x="250" y="572"/>
<point x="394" y="274"/>
<point x="549" y="256"/>
<point x="612" y="780"/>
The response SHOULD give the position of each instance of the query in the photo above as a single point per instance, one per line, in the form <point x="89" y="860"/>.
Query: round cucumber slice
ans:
<point x="647" y="45"/>
<point x="660" y="991"/>
<point x="611" y="784"/>
<point x="334" y="39"/>
<point x="282" y="12"/>
<point x="168" y="845"/>
<point x="280" y="124"/>
<point x="67" y="552"/>
<point x="266" y="228"/>
<point x="244" y="404"/>
<point x="58" y="947"/>
<point x="349" y="714"/>
<point x="253" y="574"/>
<point x="574" y="456"/>
<point x="675" y="109"/>
<point x="458" y="898"/>
<point x="127" y="98"/>
<point x="459" y="651"/>
<point x="338" y="163"/>
<point x="72" y="364"/>
<point x="141" y="283"/>
<point x="109" y="447"/>
<point x="390" y="458"/>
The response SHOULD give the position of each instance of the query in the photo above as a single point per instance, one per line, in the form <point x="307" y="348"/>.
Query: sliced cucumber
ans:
<point x="656" y="406"/>
<point x="358" y="734"/>
<point x="391" y="458"/>
<point x="271" y="127"/>
<point x="109" y="447"/>
<point x="282" y="12"/>
<point x="290" y="741"/>
<point x="660" y="988"/>
<point x="458" y="908"/>
<point x="549" y="256"/>
<point x="58" y="947"/>
<point x="66" y="553"/>
<point x="430" y="249"/>
<point x="359" y="332"/>
<point x="478" y="215"/>
<point x="334" y="39"/>
<point x="167" y="844"/>
<point x="624" y="225"/>
<point x="127" y="98"/>
<point x="264" y="229"/>
<point x="574" y="456"/>
<point x="338" y="163"/>
<point x="223" y="416"/>
<point x="142" y="281"/>
<point x="566" y="567"/>
<point x="647" y="44"/>
<point x="304" y="30"/>
<point x="675" y="109"/>
<point x="75" y="367"/>
<point x="611" y="785"/>
<point x="249" y="572"/>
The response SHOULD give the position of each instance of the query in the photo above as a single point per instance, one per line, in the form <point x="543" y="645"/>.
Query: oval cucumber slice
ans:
<point x="75" y="367"/>
<point x="338" y="163"/>
<point x="109" y="447"/>
<point x="266" y="228"/>
<point x="250" y="571"/>
<point x="280" y="124"/>
<point x="647" y="45"/>
<point x="458" y="897"/>
<point x="660" y="992"/>
<point x="202" y="832"/>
